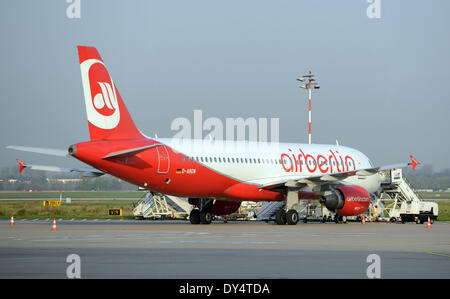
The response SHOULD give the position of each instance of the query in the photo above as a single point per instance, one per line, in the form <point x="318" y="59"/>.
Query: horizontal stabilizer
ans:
<point x="129" y="152"/>
<point x="88" y="172"/>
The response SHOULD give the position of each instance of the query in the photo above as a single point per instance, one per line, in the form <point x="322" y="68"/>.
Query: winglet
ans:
<point x="414" y="162"/>
<point x="22" y="165"/>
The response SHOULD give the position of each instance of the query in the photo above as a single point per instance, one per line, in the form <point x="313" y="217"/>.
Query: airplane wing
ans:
<point x="40" y="150"/>
<point x="87" y="172"/>
<point x="300" y="182"/>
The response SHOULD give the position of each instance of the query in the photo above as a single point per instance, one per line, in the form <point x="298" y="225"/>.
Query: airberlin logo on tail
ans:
<point x="100" y="95"/>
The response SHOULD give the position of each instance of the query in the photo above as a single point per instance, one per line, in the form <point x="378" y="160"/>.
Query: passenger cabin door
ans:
<point x="163" y="160"/>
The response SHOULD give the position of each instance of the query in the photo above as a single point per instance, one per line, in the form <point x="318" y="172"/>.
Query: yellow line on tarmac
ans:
<point x="440" y="254"/>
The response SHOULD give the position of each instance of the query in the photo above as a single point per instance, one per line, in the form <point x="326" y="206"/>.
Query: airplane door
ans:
<point x="163" y="160"/>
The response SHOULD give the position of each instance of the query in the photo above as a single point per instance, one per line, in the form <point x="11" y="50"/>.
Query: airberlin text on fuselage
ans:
<point x="334" y="162"/>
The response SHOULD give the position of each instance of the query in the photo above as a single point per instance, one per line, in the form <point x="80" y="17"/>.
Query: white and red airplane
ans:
<point x="216" y="176"/>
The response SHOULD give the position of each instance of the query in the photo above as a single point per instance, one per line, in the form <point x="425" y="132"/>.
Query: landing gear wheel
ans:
<point x="280" y="217"/>
<point x="194" y="217"/>
<point x="324" y="219"/>
<point x="292" y="217"/>
<point x="205" y="217"/>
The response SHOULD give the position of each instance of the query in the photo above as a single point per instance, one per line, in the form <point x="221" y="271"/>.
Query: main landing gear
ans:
<point x="202" y="214"/>
<point x="290" y="215"/>
<point x="197" y="217"/>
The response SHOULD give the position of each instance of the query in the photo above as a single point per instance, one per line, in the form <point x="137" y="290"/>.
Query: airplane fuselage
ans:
<point x="223" y="169"/>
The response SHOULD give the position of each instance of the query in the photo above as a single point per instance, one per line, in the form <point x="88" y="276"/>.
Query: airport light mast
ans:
<point x="309" y="86"/>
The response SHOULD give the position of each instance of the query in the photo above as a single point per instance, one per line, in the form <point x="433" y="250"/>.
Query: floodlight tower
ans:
<point x="309" y="86"/>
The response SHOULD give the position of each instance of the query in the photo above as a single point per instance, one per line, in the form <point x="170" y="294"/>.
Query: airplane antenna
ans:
<point x="310" y="85"/>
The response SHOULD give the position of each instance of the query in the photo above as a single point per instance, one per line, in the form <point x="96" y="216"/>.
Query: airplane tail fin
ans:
<point x="108" y="117"/>
<point x="22" y="165"/>
<point x="414" y="162"/>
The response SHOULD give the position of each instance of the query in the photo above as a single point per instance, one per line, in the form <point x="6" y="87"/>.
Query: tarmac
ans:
<point x="233" y="250"/>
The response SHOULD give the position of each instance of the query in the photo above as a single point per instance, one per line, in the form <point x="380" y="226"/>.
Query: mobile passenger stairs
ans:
<point x="307" y="211"/>
<point x="402" y="203"/>
<point x="160" y="206"/>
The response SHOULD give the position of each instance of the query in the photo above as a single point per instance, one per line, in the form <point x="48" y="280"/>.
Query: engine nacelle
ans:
<point x="349" y="200"/>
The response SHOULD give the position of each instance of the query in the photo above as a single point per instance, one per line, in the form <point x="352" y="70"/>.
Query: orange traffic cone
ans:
<point x="429" y="223"/>
<point x="11" y="223"/>
<point x="364" y="219"/>
<point x="54" y="224"/>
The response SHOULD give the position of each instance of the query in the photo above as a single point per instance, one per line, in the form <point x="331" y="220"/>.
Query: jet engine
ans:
<point x="347" y="200"/>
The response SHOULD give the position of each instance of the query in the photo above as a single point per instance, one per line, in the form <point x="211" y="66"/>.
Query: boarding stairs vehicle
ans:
<point x="407" y="206"/>
<point x="305" y="208"/>
<point x="269" y="209"/>
<point x="160" y="206"/>
<point x="178" y="204"/>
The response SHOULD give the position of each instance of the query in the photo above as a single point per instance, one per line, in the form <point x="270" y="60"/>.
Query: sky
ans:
<point x="384" y="81"/>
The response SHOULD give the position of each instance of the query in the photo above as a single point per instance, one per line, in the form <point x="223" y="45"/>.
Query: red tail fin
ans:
<point x="108" y="117"/>
<point x="414" y="162"/>
<point x="22" y="165"/>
